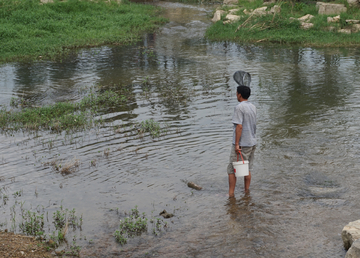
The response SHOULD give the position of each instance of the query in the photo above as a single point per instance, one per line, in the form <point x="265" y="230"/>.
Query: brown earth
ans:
<point x="12" y="245"/>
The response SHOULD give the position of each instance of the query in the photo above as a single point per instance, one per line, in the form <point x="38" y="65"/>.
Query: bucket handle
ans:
<point x="241" y="157"/>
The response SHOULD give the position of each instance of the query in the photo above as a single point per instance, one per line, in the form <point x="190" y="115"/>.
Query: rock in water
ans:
<point x="194" y="186"/>
<point x="354" y="250"/>
<point x="350" y="233"/>
<point x="166" y="215"/>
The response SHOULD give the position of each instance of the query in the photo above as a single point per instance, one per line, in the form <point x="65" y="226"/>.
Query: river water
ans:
<point x="305" y="180"/>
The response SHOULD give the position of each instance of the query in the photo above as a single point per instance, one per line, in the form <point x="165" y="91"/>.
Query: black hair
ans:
<point x="245" y="91"/>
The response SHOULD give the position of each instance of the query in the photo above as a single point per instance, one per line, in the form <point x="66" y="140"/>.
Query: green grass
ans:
<point x="280" y="29"/>
<point x="29" y="29"/>
<point x="60" y="116"/>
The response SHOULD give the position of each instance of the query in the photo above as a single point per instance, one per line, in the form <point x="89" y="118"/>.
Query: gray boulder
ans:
<point x="329" y="9"/>
<point x="350" y="233"/>
<point x="260" y="11"/>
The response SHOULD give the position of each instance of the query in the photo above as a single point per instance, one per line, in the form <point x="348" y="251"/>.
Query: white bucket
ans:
<point x="241" y="168"/>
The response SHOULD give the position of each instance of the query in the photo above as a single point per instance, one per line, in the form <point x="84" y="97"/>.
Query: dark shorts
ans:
<point x="247" y="153"/>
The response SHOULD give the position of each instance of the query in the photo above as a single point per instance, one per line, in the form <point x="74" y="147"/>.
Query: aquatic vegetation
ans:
<point x="32" y="224"/>
<point x="131" y="226"/>
<point x="62" y="115"/>
<point x="152" y="127"/>
<point x="136" y="224"/>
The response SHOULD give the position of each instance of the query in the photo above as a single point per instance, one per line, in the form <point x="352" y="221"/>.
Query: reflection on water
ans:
<point x="304" y="182"/>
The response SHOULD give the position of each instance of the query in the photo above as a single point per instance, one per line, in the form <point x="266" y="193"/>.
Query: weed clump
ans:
<point x="152" y="127"/>
<point x="32" y="224"/>
<point x="137" y="224"/>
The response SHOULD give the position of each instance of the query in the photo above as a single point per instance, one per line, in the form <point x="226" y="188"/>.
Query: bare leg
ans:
<point x="247" y="181"/>
<point x="232" y="183"/>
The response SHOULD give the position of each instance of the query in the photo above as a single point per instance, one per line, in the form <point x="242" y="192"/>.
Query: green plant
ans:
<point x="18" y="193"/>
<point x="131" y="226"/>
<point x="32" y="224"/>
<point x="150" y="126"/>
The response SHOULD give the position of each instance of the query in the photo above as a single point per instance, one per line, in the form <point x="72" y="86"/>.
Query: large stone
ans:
<point x="345" y="31"/>
<point x="350" y="233"/>
<point x="306" y="18"/>
<point x="231" y="18"/>
<point x="306" y="25"/>
<point x="329" y="9"/>
<point x="355" y="28"/>
<point x="260" y="11"/>
<point x="230" y="2"/>
<point x="333" y="19"/>
<point x="352" y="21"/>
<point x="354" y="251"/>
<point x="217" y="15"/>
<point x="232" y="11"/>
<point x="275" y="9"/>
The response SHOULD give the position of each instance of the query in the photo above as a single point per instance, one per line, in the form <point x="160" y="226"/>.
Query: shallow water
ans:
<point x="305" y="183"/>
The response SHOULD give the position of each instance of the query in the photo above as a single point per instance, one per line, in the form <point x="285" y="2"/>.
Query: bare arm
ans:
<point x="238" y="132"/>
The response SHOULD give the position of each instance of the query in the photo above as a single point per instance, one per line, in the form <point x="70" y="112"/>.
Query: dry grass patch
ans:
<point x="70" y="166"/>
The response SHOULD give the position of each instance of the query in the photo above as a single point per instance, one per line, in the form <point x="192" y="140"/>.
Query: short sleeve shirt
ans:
<point x="245" y="114"/>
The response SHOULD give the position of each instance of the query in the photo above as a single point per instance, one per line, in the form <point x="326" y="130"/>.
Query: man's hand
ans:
<point x="237" y="148"/>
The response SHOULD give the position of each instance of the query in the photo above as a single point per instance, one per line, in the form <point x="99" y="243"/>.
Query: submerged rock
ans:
<point x="194" y="186"/>
<point x="166" y="215"/>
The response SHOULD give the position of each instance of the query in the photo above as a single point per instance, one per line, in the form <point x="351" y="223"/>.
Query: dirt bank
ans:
<point x="12" y="245"/>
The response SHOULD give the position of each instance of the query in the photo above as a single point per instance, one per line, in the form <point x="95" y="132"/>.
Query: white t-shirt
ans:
<point x="245" y="114"/>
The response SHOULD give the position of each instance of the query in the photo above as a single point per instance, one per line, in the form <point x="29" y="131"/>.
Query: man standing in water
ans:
<point x="244" y="120"/>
